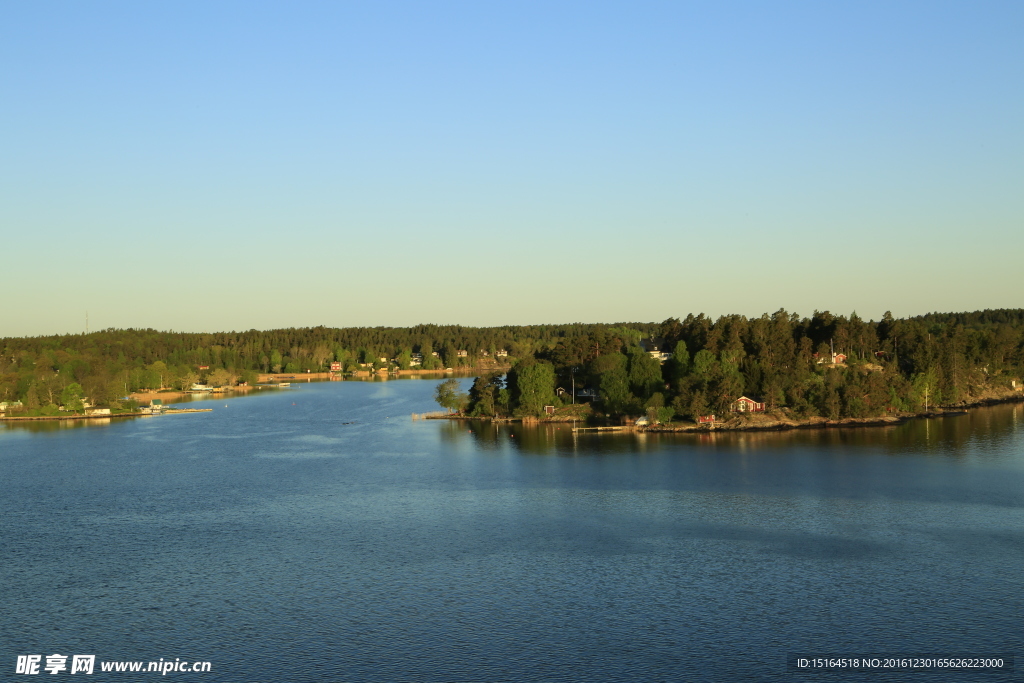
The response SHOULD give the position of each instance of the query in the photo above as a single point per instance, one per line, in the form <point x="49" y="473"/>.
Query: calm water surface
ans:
<point x="319" y="534"/>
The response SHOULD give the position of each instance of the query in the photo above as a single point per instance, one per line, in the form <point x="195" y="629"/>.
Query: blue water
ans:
<point x="320" y="534"/>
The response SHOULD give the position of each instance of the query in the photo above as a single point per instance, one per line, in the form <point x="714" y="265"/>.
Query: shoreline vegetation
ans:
<point x="775" y="371"/>
<point x="266" y="381"/>
<point x="740" y="423"/>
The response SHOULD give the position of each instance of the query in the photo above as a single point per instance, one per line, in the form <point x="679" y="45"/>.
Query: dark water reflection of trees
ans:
<point x="54" y="426"/>
<point x="987" y="428"/>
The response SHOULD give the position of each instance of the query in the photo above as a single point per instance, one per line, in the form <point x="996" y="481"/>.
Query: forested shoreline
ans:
<point x="795" y="368"/>
<point x="823" y="365"/>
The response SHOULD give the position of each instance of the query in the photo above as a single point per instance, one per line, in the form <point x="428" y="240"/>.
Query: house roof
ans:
<point x="652" y="343"/>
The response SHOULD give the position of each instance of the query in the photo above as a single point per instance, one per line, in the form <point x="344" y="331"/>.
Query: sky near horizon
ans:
<point x="226" y="165"/>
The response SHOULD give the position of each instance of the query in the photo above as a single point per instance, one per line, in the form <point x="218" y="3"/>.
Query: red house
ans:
<point x="705" y="419"/>
<point x="745" y="404"/>
<point x="335" y="366"/>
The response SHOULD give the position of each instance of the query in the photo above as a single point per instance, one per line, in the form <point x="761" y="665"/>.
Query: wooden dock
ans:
<point x="602" y="429"/>
<point x="433" y="415"/>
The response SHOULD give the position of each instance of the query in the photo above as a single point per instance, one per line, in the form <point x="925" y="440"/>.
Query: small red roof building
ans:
<point x="745" y="404"/>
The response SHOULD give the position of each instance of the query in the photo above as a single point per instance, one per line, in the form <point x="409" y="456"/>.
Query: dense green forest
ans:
<point x="782" y="359"/>
<point x="103" y="367"/>
<point x="828" y="366"/>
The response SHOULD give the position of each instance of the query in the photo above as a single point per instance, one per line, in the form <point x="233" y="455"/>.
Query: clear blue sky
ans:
<point x="234" y="165"/>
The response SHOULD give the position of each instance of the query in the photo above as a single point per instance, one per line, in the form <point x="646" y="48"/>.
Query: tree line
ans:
<point x="782" y="359"/>
<point x="109" y="365"/>
<point x="825" y="365"/>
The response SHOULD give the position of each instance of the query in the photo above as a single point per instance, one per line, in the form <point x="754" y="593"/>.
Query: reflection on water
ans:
<point x="983" y="429"/>
<point x="49" y="426"/>
<point x="987" y="428"/>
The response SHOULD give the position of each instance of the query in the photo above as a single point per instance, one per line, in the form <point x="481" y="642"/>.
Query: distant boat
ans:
<point x="284" y="384"/>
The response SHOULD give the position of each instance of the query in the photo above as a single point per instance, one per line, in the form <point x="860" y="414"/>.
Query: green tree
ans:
<point x="698" y="405"/>
<point x="922" y="390"/>
<point x="321" y="354"/>
<point x="430" y="361"/>
<point x="644" y="373"/>
<point x="608" y="373"/>
<point x="483" y="395"/>
<point x="615" y="394"/>
<point x="221" y="378"/>
<point x="704" y="364"/>
<point x="448" y="356"/>
<point x="535" y="386"/>
<point x="161" y="373"/>
<point x="72" y="397"/>
<point x="505" y="401"/>
<point x="187" y="379"/>
<point x="729" y="385"/>
<point x="678" y="366"/>
<point x="32" y="398"/>
<point x="773" y="392"/>
<point x="627" y="335"/>
<point x="448" y="396"/>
